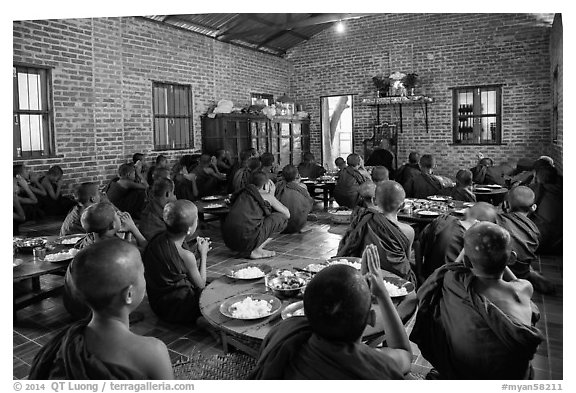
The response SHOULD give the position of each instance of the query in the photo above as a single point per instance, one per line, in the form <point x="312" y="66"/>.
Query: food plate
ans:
<point x="27" y="245"/>
<point x="315" y="267"/>
<point x="482" y="189"/>
<point x="355" y="262"/>
<point x="232" y="306"/>
<point x="493" y="186"/>
<point x="439" y="198"/>
<point x="214" y="206"/>
<point x="61" y="256"/>
<point x="295" y="309"/>
<point x="232" y="272"/>
<point x="17" y="262"/>
<point x="468" y="204"/>
<point x="399" y="283"/>
<point x="70" y="240"/>
<point x="211" y="198"/>
<point x="460" y="211"/>
<point x="428" y="213"/>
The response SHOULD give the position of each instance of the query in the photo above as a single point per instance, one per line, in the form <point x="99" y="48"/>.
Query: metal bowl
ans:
<point x="286" y="286"/>
<point x="28" y="245"/>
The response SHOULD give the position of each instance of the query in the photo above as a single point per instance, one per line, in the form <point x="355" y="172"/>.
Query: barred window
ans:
<point x="172" y="108"/>
<point x="477" y="115"/>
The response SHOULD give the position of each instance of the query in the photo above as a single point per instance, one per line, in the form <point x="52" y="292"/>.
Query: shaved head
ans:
<point x="367" y="189"/>
<point x="337" y="302"/>
<point x="180" y="216"/>
<point x="99" y="217"/>
<point x="482" y="211"/>
<point x="380" y="173"/>
<point x="101" y="271"/>
<point x="520" y="198"/>
<point x="389" y="196"/>
<point x="487" y="246"/>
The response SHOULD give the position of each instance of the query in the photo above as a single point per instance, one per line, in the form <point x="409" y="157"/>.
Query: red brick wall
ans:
<point x="446" y="51"/>
<point x="102" y="74"/>
<point x="556" y="55"/>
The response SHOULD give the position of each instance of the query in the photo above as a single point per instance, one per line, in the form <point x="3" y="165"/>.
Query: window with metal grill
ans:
<point x="477" y="115"/>
<point x="172" y="108"/>
<point x="33" y="134"/>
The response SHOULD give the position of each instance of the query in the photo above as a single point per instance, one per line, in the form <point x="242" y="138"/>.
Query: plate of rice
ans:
<point x="354" y="262"/>
<point x="428" y="213"/>
<point x="251" y="306"/>
<point x="295" y="309"/>
<point x="61" y="256"/>
<point x="70" y="240"/>
<point x="398" y="287"/>
<point x="248" y="271"/>
<point x="211" y="198"/>
<point x="214" y="206"/>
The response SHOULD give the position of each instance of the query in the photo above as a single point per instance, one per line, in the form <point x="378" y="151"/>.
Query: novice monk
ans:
<point x="208" y="179"/>
<point x="161" y="162"/>
<point x="548" y="215"/>
<point x="346" y="188"/>
<point x="294" y="195"/>
<point x="109" y="276"/>
<point x="185" y="186"/>
<point x="340" y="164"/>
<point x="87" y="195"/>
<point x="19" y="216"/>
<point x="152" y="222"/>
<point x="127" y="194"/>
<point x="424" y="184"/>
<point x="475" y="320"/>
<point x="267" y="162"/>
<point x="25" y="198"/>
<point x="31" y="178"/>
<point x="462" y="191"/>
<point x="308" y="167"/>
<point x="255" y="214"/>
<point x="408" y="170"/>
<point x="442" y="240"/>
<point x="54" y="203"/>
<point x="174" y="278"/>
<point x="380" y="173"/>
<point x="380" y="226"/>
<point x="242" y="176"/>
<point x="326" y="343"/>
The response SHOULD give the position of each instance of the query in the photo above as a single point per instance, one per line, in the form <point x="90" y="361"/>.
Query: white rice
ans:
<point x="394" y="290"/>
<point x="250" y="308"/>
<point x="61" y="256"/>
<point x="72" y="240"/>
<point x="249" y="272"/>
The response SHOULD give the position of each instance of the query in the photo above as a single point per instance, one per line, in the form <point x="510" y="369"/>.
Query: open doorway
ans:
<point x="337" y="137"/>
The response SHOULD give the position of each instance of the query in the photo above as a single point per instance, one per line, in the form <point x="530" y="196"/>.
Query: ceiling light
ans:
<point x="340" y="27"/>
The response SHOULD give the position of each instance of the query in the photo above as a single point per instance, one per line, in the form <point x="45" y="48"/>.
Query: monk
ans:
<point x="127" y="194"/>
<point x="548" y="215"/>
<point x="380" y="226"/>
<point x="481" y="173"/>
<point x="408" y="170"/>
<point x="346" y="189"/>
<point x="517" y="206"/>
<point x="308" y="167"/>
<point x="242" y="176"/>
<point x="26" y="199"/>
<point x="382" y="156"/>
<point x="54" y="203"/>
<point x="245" y="155"/>
<point x="340" y="164"/>
<point x="379" y="173"/>
<point x="366" y="193"/>
<point x="442" y="240"/>
<point x="174" y="277"/>
<point x="109" y="276"/>
<point x="255" y="214"/>
<point x="19" y="216"/>
<point x="185" y="186"/>
<point x="224" y="161"/>
<point x="475" y="320"/>
<point x="326" y="343"/>
<point x="424" y="184"/>
<point x="268" y="166"/>
<point x="208" y="178"/>
<point x="294" y="195"/>
<point x="86" y="195"/>
<point x="462" y="191"/>
<point x="152" y="221"/>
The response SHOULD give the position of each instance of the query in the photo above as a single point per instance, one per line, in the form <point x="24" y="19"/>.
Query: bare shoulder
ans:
<point x="522" y="287"/>
<point x="406" y="229"/>
<point x="150" y="355"/>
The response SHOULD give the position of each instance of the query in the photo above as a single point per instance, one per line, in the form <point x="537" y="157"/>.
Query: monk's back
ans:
<point x="512" y="298"/>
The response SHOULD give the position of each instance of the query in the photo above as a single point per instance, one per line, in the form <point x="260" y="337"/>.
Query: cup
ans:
<point x="39" y="253"/>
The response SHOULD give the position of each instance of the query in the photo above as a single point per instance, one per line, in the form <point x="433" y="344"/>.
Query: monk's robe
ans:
<point x="127" y="200"/>
<point x="459" y="194"/>
<point x="72" y="224"/>
<point x="346" y="188"/>
<point x="207" y="184"/>
<point x="382" y="157"/>
<point x="311" y="171"/>
<point x="466" y="336"/>
<point x="66" y="357"/>
<point x="487" y="175"/>
<point x="54" y="207"/>
<point x="73" y="303"/>
<point x="524" y="235"/>
<point x="171" y="292"/>
<point x="291" y="351"/>
<point x="441" y="242"/>
<point x="298" y="201"/>
<point x="407" y="172"/>
<point x="184" y="188"/>
<point x="548" y="216"/>
<point x="151" y="221"/>
<point x="251" y="221"/>
<point x="241" y="179"/>
<point x="372" y="227"/>
<point x="422" y="186"/>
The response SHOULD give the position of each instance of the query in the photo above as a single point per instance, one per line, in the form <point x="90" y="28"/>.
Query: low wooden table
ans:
<point x="218" y="213"/>
<point x="247" y="335"/>
<point x="326" y="187"/>
<point x="495" y="196"/>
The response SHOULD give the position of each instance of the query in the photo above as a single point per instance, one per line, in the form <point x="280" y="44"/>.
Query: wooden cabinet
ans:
<point x="285" y="137"/>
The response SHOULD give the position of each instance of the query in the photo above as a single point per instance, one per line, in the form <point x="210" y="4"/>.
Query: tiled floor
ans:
<point x="36" y="324"/>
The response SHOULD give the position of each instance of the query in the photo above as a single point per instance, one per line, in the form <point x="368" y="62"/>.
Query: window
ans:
<point x="555" y="101"/>
<point x="477" y="115"/>
<point x="33" y="135"/>
<point x="172" y="108"/>
<point x="337" y="138"/>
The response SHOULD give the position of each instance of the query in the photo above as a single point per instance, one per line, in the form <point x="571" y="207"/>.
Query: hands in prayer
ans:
<point x="370" y="268"/>
<point x="203" y="245"/>
<point x="126" y="222"/>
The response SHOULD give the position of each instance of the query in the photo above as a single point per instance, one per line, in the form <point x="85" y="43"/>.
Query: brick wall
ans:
<point x="102" y="74"/>
<point x="556" y="56"/>
<point x="446" y="51"/>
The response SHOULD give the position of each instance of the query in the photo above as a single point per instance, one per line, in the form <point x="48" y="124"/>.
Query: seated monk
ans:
<point x="254" y="215"/>
<point x="268" y="167"/>
<point x="161" y="162"/>
<point x="424" y="184"/>
<point x="346" y="188"/>
<point x="481" y="173"/>
<point x="442" y="240"/>
<point x="519" y="203"/>
<point x="308" y="167"/>
<point x="152" y="222"/>
<point x="380" y="226"/>
<point x="326" y="343"/>
<point x="340" y="164"/>
<point x="475" y="320"/>
<point x="109" y="276"/>
<point x="174" y="278"/>
<point x="245" y="155"/>
<point x="548" y="215"/>
<point x="127" y="194"/>
<point x="366" y="193"/>
<point x="380" y="173"/>
<point x="462" y="191"/>
<point x="408" y="170"/>
<point x="185" y="186"/>
<point x="86" y="195"/>
<point x="242" y="176"/>
<point x="208" y="179"/>
<point x="294" y="195"/>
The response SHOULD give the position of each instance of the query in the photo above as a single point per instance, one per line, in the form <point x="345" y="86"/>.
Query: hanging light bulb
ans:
<point x="340" y="27"/>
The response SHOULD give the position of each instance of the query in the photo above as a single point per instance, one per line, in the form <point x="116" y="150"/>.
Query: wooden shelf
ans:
<point x="402" y="100"/>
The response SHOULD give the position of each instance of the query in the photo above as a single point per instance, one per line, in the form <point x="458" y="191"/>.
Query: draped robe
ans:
<point x="524" y="235"/>
<point x="151" y="221"/>
<point x="127" y="200"/>
<point x="298" y="201"/>
<point x="346" y="188"/>
<point x="422" y="186"/>
<point x="548" y="216"/>
<point x="441" y="242"/>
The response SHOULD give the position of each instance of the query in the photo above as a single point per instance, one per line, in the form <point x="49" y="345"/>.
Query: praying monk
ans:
<point x="174" y="278"/>
<point x="366" y="194"/>
<point x="126" y="193"/>
<point x="109" y="276"/>
<point x="255" y="214"/>
<point x="346" y="188"/>
<point x="294" y="195"/>
<point x="442" y="240"/>
<point x="86" y="195"/>
<point x="326" y="343"/>
<point x="462" y="191"/>
<point x="424" y="184"/>
<point x="518" y="204"/>
<point x="152" y="222"/>
<point x="475" y="320"/>
<point x="380" y="226"/>
<point x="548" y="215"/>
<point x="242" y="176"/>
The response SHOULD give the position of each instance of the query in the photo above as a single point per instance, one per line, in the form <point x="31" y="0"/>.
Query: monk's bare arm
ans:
<point x="276" y="204"/>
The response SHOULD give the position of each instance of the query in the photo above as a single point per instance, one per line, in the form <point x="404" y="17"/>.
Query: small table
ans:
<point x="326" y="187"/>
<point x="218" y="213"/>
<point x="247" y="335"/>
<point x="494" y="196"/>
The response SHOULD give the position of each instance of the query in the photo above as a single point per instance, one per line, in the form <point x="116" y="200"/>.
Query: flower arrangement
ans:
<point x="382" y="84"/>
<point x="410" y="81"/>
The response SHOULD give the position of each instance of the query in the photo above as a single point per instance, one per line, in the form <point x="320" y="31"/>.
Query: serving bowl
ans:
<point x="286" y="286"/>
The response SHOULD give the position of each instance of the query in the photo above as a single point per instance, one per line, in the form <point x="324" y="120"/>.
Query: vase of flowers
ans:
<point x="382" y="85"/>
<point x="410" y="82"/>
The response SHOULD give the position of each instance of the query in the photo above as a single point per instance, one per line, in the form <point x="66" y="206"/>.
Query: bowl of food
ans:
<point x="354" y="262"/>
<point x="248" y="271"/>
<point x="397" y="287"/>
<point x="286" y="286"/>
<point x="27" y="245"/>
<point x="340" y="216"/>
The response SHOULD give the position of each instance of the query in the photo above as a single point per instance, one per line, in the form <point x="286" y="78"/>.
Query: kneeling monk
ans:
<point x="294" y="195"/>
